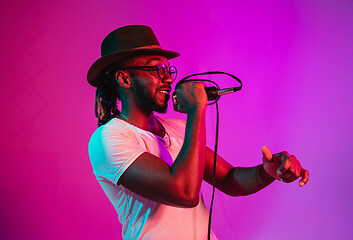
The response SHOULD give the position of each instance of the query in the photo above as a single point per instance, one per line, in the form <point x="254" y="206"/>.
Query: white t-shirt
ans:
<point x="112" y="149"/>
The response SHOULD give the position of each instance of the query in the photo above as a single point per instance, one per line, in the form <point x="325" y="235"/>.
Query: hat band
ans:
<point x="149" y="47"/>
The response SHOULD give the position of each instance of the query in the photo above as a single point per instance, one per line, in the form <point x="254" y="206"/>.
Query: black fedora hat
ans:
<point x="124" y="42"/>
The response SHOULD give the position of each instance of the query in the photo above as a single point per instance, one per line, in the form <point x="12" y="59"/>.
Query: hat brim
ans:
<point x="98" y="69"/>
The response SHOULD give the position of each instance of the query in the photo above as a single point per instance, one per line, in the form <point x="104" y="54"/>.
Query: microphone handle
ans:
<point x="212" y="93"/>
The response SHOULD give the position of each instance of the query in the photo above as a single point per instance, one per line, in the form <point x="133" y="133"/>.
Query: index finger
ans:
<point x="285" y="160"/>
<point x="305" y="177"/>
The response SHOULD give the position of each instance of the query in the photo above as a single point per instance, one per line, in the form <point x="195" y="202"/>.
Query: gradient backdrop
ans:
<point x="294" y="58"/>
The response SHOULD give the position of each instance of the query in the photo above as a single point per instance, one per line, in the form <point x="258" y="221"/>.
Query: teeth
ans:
<point x="164" y="91"/>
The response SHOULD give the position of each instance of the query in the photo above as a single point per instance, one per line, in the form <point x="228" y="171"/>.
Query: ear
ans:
<point x="122" y="79"/>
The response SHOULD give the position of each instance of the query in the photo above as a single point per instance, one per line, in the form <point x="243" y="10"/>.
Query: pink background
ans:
<point x="294" y="57"/>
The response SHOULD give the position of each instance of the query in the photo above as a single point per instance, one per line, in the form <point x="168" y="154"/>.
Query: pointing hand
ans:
<point x="283" y="166"/>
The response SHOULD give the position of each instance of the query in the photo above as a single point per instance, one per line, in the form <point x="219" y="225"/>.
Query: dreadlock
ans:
<point x="107" y="93"/>
<point x="106" y="103"/>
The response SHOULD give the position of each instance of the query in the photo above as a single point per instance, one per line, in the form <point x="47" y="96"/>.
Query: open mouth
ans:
<point x="165" y="91"/>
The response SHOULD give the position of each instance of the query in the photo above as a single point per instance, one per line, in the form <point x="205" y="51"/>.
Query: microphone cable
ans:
<point x="187" y="79"/>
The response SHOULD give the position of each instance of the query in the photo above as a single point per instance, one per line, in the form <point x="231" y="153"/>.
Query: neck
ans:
<point x="147" y="122"/>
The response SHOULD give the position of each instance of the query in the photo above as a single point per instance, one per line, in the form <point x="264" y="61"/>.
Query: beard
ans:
<point x="147" y="99"/>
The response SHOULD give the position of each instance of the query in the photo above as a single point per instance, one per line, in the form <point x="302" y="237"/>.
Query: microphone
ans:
<point x="214" y="93"/>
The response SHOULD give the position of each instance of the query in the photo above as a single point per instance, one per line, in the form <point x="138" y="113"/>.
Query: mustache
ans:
<point x="165" y="87"/>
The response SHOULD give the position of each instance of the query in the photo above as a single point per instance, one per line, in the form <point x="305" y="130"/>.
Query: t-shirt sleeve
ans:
<point x="112" y="151"/>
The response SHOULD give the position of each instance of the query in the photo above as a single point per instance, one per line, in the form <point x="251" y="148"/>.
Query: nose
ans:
<point x="168" y="79"/>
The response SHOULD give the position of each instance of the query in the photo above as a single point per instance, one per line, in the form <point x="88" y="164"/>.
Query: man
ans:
<point x="151" y="168"/>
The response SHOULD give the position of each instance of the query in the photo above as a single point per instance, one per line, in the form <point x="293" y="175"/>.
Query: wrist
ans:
<point x="262" y="176"/>
<point x="197" y="110"/>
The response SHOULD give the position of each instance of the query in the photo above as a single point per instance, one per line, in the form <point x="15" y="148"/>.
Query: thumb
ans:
<point x="266" y="152"/>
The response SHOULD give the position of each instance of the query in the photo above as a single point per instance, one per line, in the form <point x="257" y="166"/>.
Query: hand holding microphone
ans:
<point x="213" y="93"/>
<point x="189" y="96"/>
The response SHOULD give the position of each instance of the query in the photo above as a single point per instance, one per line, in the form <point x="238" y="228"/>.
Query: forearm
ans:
<point x="245" y="181"/>
<point x="189" y="165"/>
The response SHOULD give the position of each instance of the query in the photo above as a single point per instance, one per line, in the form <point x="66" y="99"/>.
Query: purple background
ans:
<point x="294" y="57"/>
